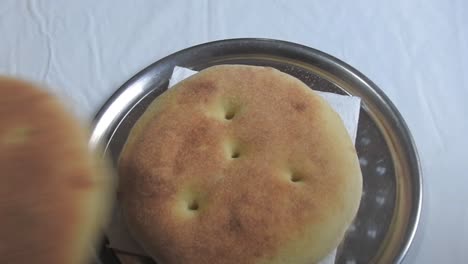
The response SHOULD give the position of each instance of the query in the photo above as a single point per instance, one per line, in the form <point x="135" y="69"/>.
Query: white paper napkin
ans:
<point x="347" y="107"/>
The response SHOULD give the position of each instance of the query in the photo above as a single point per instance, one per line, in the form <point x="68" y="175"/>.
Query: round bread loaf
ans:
<point x="54" y="194"/>
<point x="239" y="164"/>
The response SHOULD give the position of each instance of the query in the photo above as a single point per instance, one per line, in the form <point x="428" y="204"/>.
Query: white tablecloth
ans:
<point x="416" y="51"/>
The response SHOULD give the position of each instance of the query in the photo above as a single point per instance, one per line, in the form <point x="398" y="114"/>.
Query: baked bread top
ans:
<point x="239" y="164"/>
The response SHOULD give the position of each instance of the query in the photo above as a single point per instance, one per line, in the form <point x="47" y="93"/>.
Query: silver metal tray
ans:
<point x="392" y="196"/>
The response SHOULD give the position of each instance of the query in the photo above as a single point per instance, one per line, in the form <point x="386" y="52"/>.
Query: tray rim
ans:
<point x="336" y="64"/>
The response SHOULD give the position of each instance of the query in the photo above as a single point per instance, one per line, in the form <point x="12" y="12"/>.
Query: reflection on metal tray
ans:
<point x="392" y="195"/>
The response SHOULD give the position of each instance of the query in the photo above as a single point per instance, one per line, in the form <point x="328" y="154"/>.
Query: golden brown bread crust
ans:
<point x="239" y="164"/>
<point x="51" y="189"/>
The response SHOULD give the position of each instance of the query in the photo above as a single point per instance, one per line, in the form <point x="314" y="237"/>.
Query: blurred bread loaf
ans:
<point x="54" y="193"/>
